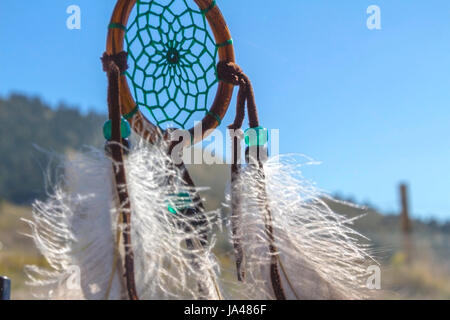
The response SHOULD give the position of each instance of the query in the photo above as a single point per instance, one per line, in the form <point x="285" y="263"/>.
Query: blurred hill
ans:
<point x="426" y="275"/>
<point x="26" y="122"/>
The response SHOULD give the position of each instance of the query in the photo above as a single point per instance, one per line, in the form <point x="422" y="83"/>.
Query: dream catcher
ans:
<point x="128" y="221"/>
<point x="129" y="218"/>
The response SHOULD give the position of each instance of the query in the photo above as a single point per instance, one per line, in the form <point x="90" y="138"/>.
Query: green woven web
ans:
<point x="172" y="59"/>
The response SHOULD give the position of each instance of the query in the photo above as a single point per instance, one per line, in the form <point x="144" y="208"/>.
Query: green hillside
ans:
<point x="27" y="124"/>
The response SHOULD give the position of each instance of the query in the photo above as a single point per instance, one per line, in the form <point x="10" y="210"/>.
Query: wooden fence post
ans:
<point x="406" y="222"/>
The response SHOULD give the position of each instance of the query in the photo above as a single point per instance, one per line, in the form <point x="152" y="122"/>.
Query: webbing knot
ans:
<point x="230" y="72"/>
<point x="120" y="59"/>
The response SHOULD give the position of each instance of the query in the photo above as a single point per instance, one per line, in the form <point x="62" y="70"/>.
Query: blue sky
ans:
<point x="372" y="106"/>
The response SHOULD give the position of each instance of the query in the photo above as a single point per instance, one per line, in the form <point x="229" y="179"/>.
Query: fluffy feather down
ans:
<point x="319" y="256"/>
<point x="76" y="231"/>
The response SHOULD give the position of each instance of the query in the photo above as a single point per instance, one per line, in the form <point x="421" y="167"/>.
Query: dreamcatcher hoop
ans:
<point x="212" y="119"/>
<point x="122" y="104"/>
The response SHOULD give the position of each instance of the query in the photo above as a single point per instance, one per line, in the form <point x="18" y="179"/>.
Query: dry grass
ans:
<point x="426" y="277"/>
<point x="17" y="250"/>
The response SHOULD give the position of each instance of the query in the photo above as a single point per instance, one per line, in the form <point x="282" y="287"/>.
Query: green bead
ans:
<point x="181" y="202"/>
<point x="125" y="129"/>
<point x="107" y="130"/>
<point x="258" y="136"/>
<point x="171" y="209"/>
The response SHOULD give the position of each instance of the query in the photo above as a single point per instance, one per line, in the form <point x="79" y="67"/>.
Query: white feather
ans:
<point x="319" y="254"/>
<point x="75" y="229"/>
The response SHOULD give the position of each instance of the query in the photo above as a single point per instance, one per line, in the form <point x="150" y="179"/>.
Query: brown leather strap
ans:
<point x="235" y="205"/>
<point x="116" y="147"/>
<point x="232" y="73"/>
<point x="274" y="253"/>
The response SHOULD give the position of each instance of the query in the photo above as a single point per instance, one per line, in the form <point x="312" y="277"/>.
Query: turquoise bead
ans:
<point x="125" y="129"/>
<point x="180" y="202"/>
<point x="258" y="136"/>
<point x="172" y="210"/>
